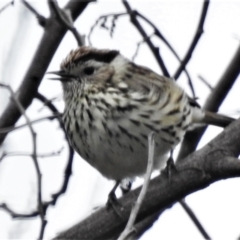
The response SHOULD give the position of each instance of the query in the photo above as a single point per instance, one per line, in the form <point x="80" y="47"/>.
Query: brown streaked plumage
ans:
<point x="112" y="104"/>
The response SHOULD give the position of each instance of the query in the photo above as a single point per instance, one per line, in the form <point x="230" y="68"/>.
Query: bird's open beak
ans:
<point x="63" y="76"/>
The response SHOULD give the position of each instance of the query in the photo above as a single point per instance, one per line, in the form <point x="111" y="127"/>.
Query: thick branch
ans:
<point x="213" y="102"/>
<point x="213" y="162"/>
<point x="41" y="19"/>
<point x="66" y="20"/>
<point x="53" y="34"/>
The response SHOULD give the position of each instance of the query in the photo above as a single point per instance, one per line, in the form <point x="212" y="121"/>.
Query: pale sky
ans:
<point x="217" y="206"/>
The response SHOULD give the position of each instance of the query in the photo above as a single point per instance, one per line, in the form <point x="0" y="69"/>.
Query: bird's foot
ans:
<point x="126" y="185"/>
<point x="112" y="200"/>
<point x="170" y="168"/>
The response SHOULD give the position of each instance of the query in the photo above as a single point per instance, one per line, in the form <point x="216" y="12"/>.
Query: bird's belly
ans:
<point x="121" y="155"/>
<point x="117" y="146"/>
<point x="127" y="159"/>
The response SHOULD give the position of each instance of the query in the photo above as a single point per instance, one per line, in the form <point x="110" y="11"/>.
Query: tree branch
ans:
<point x="195" y="40"/>
<point x="13" y="214"/>
<point x="34" y="158"/>
<point x="53" y="34"/>
<point x="194" y="219"/>
<point x="41" y="19"/>
<point x="129" y="228"/>
<point x="213" y="162"/>
<point x="68" y="169"/>
<point x="6" y="6"/>
<point x="155" y="50"/>
<point x="213" y="102"/>
<point x="66" y="19"/>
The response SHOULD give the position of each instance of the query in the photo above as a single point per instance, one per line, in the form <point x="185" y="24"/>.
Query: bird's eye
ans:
<point x="88" y="70"/>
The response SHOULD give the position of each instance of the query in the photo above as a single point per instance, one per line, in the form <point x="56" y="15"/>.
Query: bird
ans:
<point x="113" y="104"/>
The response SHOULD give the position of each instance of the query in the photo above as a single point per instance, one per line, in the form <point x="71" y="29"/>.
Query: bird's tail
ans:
<point x="215" y="119"/>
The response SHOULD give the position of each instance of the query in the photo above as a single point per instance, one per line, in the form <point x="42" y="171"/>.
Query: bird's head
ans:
<point x="86" y="67"/>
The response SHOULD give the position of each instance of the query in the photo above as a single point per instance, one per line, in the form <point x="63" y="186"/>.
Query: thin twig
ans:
<point x="155" y="50"/>
<point x="141" y="227"/>
<point x="129" y="228"/>
<point x="6" y="6"/>
<point x="205" y="82"/>
<point x="34" y="154"/>
<point x="213" y="102"/>
<point x="156" y="33"/>
<point x="138" y="46"/>
<point x="217" y="160"/>
<point x="68" y="169"/>
<point x="194" y="219"/>
<point x="66" y="18"/>
<point x="53" y="99"/>
<point x="195" y="40"/>
<point x="18" y="215"/>
<point x="43" y="225"/>
<point x="160" y="35"/>
<point x="104" y="18"/>
<point x="30" y="83"/>
<point x="67" y="172"/>
<point x="67" y="175"/>
<point x="41" y="19"/>
<point x="43" y="155"/>
<point x="10" y="129"/>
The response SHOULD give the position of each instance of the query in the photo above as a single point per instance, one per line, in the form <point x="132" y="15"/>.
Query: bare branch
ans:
<point x="115" y="16"/>
<point x="53" y="99"/>
<point x="67" y="175"/>
<point x="10" y="129"/>
<point x="66" y="19"/>
<point x="53" y="34"/>
<point x="129" y="228"/>
<point x="194" y="219"/>
<point x="155" y="50"/>
<point x="41" y="19"/>
<point x="43" y="155"/>
<point x="34" y="155"/>
<point x="157" y="33"/>
<point x="213" y="162"/>
<point x="205" y="82"/>
<point x="142" y="226"/>
<point x="138" y="47"/>
<point x="6" y="6"/>
<point x="195" y="40"/>
<point x="160" y="36"/>
<point x="191" y="139"/>
<point x="43" y="225"/>
<point x="213" y="102"/>
<point x="68" y="169"/>
<point x="18" y="215"/>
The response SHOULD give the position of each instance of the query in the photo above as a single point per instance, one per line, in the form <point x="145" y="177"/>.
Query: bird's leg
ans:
<point x="112" y="199"/>
<point x="170" y="167"/>
<point x="112" y="196"/>
<point x="126" y="185"/>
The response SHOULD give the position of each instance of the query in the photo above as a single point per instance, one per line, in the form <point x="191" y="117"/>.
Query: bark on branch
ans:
<point x="53" y="34"/>
<point x="214" y="101"/>
<point x="216" y="161"/>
